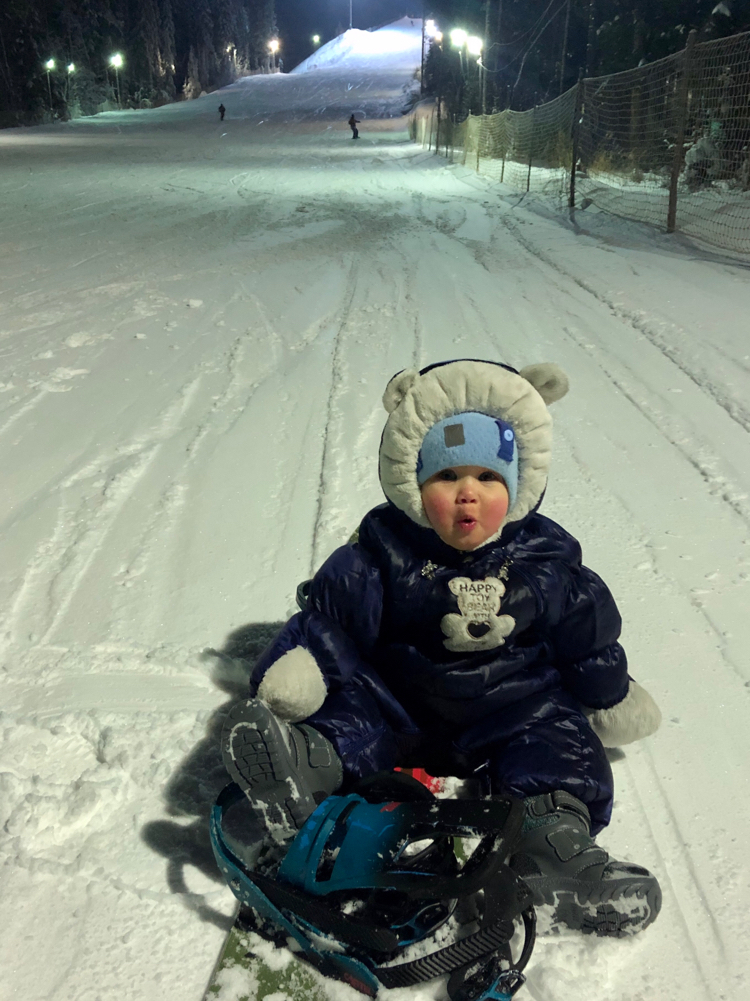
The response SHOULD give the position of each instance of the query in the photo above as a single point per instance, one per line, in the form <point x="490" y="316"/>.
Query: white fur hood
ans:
<point x="417" y="400"/>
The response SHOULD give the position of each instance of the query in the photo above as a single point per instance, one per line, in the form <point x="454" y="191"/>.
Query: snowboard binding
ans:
<point x="372" y="873"/>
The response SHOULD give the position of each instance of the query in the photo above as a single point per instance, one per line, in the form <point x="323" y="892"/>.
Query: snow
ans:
<point x="398" y="46"/>
<point x="197" y="321"/>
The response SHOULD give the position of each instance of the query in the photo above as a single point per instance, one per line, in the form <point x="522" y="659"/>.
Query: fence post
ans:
<point x="531" y="147"/>
<point x="577" y="112"/>
<point x="679" y="146"/>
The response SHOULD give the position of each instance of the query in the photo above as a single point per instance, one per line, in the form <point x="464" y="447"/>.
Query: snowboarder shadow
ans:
<point x="194" y="786"/>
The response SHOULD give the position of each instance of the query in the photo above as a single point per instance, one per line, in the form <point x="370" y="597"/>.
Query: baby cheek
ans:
<point x="498" y="508"/>
<point x="437" y="506"/>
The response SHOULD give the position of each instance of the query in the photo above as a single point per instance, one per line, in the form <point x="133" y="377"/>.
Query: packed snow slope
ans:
<point x="197" y="321"/>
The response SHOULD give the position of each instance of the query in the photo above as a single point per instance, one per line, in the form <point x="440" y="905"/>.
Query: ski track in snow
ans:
<point x="197" y="323"/>
<point x="337" y="387"/>
<point x="679" y="430"/>
<point x="701" y="377"/>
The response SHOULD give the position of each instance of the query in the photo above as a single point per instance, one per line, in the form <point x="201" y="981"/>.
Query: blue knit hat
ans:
<point x="470" y="439"/>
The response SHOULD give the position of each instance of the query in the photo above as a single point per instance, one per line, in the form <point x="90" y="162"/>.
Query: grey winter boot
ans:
<point x="565" y="868"/>
<point x="285" y="769"/>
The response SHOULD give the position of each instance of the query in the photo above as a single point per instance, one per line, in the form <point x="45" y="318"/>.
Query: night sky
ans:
<point x="299" y="20"/>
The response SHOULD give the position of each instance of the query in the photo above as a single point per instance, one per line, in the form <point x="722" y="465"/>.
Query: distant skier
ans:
<point x="353" y="123"/>
<point x="222" y="112"/>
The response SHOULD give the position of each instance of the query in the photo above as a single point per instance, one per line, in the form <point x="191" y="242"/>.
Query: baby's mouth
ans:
<point x="466" y="523"/>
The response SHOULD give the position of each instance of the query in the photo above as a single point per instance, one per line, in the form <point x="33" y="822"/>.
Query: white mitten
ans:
<point x="635" y="717"/>
<point x="293" y="686"/>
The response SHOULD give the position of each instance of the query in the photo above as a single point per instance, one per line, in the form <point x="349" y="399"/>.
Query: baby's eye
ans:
<point x="447" y="474"/>
<point x="488" y="475"/>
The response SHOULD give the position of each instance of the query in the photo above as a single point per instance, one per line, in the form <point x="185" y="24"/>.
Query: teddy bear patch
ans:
<point x="478" y="624"/>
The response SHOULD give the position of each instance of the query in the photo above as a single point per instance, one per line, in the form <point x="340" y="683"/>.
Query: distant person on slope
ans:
<point x="353" y="123"/>
<point x="222" y="112"/>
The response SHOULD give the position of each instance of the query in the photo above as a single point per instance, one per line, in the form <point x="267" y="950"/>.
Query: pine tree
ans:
<point x="192" y="85"/>
<point x="262" y="27"/>
<point x="167" y="54"/>
<point x="144" y="60"/>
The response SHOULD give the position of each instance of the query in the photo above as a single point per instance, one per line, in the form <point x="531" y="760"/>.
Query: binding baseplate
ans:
<point x="372" y="873"/>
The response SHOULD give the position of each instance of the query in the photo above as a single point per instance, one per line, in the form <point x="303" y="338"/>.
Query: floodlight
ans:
<point x="116" y="60"/>
<point x="316" y="39"/>
<point x="474" y="45"/>
<point x="273" y="45"/>
<point x="71" y="67"/>
<point x="50" y="64"/>
<point x="458" y="37"/>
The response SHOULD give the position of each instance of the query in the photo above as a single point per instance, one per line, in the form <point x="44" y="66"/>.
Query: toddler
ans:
<point x="459" y="632"/>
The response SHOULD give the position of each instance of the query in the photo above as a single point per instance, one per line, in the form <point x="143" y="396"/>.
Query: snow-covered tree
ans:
<point x="155" y="38"/>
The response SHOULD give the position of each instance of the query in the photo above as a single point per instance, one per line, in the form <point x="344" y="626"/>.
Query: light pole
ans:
<point x="474" y="46"/>
<point x="116" y="60"/>
<point x="458" y="40"/>
<point x="49" y="66"/>
<point x="429" y="30"/>
<point x="564" y="53"/>
<point x="485" y="47"/>
<point x="350" y="15"/>
<point x="71" y="70"/>
<point x="421" y="70"/>
<point x="273" y="45"/>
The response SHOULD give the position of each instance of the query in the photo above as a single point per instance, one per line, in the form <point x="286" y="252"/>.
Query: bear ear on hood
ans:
<point x="398" y="387"/>
<point x="548" y="380"/>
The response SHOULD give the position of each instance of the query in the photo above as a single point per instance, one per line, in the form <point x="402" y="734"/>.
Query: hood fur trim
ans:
<point x="417" y="401"/>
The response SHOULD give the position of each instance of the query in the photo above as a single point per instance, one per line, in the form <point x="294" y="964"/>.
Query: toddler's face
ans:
<point x="465" y="505"/>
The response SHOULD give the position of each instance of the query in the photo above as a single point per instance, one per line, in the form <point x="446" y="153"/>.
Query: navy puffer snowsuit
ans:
<point x="415" y="653"/>
<point x="396" y="696"/>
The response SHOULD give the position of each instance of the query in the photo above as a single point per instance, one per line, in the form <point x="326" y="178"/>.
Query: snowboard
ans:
<point x="250" y="968"/>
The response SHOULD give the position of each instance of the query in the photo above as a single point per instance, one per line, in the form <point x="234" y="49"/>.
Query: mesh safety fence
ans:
<point x="626" y="141"/>
<point x="529" y="150"/>
<point x="666" y="144"/>
<point x="714" y="197"/>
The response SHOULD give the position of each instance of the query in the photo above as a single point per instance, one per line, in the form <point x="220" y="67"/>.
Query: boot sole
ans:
<point x="256" y="755"/>
<point x="616" y="910"/>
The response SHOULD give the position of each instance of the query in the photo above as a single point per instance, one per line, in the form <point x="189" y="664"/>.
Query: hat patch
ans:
<point x="454" y="435"/>
<point x="507" y="440"/>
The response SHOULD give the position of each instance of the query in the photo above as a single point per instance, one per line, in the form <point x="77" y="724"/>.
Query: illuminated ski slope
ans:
<point x="197" y="320"/>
